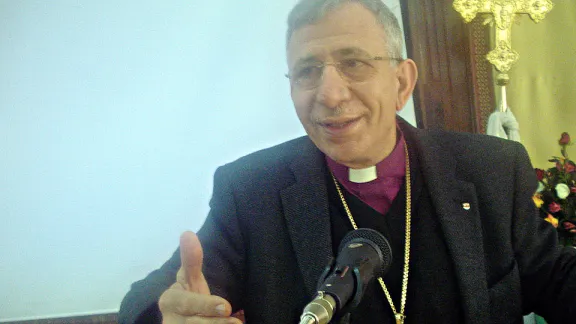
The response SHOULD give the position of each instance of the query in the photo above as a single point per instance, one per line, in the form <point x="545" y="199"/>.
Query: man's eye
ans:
<point x="306" y="72"/>
<point x="352" y="63"/>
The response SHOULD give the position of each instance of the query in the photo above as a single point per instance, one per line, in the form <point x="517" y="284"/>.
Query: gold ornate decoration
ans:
<point x="502" y="57"/>
<point x="400" y="317"/>
<point x="482" y="74"/>
<point x="503" y="13"/>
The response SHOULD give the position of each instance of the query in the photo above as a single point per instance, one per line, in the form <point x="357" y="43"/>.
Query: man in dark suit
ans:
<point x="468" y="245"/>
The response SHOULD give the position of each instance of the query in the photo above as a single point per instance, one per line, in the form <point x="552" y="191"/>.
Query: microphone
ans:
<point x="364" y="254"/>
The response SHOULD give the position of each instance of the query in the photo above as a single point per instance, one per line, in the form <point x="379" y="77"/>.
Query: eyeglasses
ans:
<point x="309" y="76"/>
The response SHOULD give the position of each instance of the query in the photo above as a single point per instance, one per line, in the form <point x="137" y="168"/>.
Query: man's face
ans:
<point x="349" y="120"/>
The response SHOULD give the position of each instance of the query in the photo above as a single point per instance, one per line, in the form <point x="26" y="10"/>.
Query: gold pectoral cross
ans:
<point x="399" y="318"/>
<point x="503" y="12"/>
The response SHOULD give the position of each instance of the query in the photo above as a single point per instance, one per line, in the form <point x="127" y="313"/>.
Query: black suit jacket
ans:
<point x="267" y="237"/>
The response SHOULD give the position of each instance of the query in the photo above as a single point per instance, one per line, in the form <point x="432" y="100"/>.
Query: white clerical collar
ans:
<point x="362" y="175"/>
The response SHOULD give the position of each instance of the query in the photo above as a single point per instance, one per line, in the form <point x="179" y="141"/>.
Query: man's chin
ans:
<point x="348" y="156"/>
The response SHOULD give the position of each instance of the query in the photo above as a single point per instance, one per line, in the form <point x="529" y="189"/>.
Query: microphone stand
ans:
<point x="320" y="310"/>
<point x="331" y="288"/>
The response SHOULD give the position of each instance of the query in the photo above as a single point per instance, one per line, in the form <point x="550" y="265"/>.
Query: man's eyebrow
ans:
<point x="306" y="60"/>
<point x="342" y="52"/>
<point x="351" y="51"/>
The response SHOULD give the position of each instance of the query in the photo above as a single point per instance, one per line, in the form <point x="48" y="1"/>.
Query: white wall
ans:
<point x="113" y="117"/>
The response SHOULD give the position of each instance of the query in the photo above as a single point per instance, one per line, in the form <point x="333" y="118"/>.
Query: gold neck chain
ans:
<point x="400" y="317"/>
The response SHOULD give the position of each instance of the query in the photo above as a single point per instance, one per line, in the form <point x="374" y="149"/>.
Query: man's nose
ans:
<point x="333" y="89"/>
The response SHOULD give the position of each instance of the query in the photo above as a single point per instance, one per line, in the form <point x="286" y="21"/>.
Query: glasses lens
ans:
<point x="308" y="76"/>
<point x="352" y="69"/>
<point x="356" y="69"/>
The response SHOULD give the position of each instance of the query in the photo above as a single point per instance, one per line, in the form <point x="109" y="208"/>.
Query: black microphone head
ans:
<point x="374" y="239"/>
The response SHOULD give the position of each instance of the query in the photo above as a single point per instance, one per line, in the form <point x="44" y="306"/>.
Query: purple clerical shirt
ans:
<point x="378" y="193"/>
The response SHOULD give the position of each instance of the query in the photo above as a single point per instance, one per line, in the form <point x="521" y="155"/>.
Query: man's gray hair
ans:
<point x="307" y="12"/>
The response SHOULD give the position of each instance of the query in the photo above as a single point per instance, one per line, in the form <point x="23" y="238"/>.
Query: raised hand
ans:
<point x="188" y="300"/>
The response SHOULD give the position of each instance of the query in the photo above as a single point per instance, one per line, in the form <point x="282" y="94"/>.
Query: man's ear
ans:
<point x="406" y="74"/>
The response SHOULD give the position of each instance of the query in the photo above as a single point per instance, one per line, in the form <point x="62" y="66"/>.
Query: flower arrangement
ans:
<point x="556" y="194"/>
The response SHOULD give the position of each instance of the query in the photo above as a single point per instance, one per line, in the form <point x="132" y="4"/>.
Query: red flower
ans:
<point x="564" y="139"/>
<point x="573" y="190"/>
<point x="569" y="227"/>
<point x="540" y="174"/>
<point x="554" y="207"/>
<point x="569" y="167"/>
<point x="559" y="166"/>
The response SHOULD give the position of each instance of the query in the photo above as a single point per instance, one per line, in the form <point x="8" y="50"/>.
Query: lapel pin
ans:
<point x="466" y="206"/>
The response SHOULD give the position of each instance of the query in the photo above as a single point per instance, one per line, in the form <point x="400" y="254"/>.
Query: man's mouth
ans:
<point x="339" y="126"/>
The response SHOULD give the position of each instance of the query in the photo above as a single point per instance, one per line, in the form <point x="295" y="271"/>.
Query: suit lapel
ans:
<point x="456" y="204"/>
<point x="307" y="217"/>
<point x="307" y="214"/>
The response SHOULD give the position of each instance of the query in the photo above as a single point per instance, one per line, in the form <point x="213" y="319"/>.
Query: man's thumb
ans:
<point x="191" y="256"/>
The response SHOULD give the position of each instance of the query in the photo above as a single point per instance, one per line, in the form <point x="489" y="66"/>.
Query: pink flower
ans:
<point x="564" y="139"/>
<point x="573" y="190"/>
<point x="569" y="227"/>
<point x="559" y="166"/>
<point x="554" y="207"/>
<point x="569" y="167"/>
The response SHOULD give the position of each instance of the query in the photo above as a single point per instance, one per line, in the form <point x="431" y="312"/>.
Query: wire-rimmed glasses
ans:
<point x="309" y="75"/>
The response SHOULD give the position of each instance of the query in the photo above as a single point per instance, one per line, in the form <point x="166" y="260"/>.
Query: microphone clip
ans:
<point x="336" y="281"/>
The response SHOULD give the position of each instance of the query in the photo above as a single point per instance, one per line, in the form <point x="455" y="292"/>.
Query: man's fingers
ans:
<point x="189" y="299"/>
<point x="187" y="303"/>
<point x="177" y="319"/>
<point x="212" y="320"/>
<point x="191" y="256"/>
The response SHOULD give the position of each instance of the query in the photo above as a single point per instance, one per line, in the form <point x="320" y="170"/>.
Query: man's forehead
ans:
<point x="322" y="52"/>
<point x="348" y="26"/>
<point x="336" y="47"/>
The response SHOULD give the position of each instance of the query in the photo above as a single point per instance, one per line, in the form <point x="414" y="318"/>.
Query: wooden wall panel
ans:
<point x="446" y="50"/>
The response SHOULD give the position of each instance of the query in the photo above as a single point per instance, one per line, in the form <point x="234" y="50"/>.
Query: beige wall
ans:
<point x="542" y="91"/>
